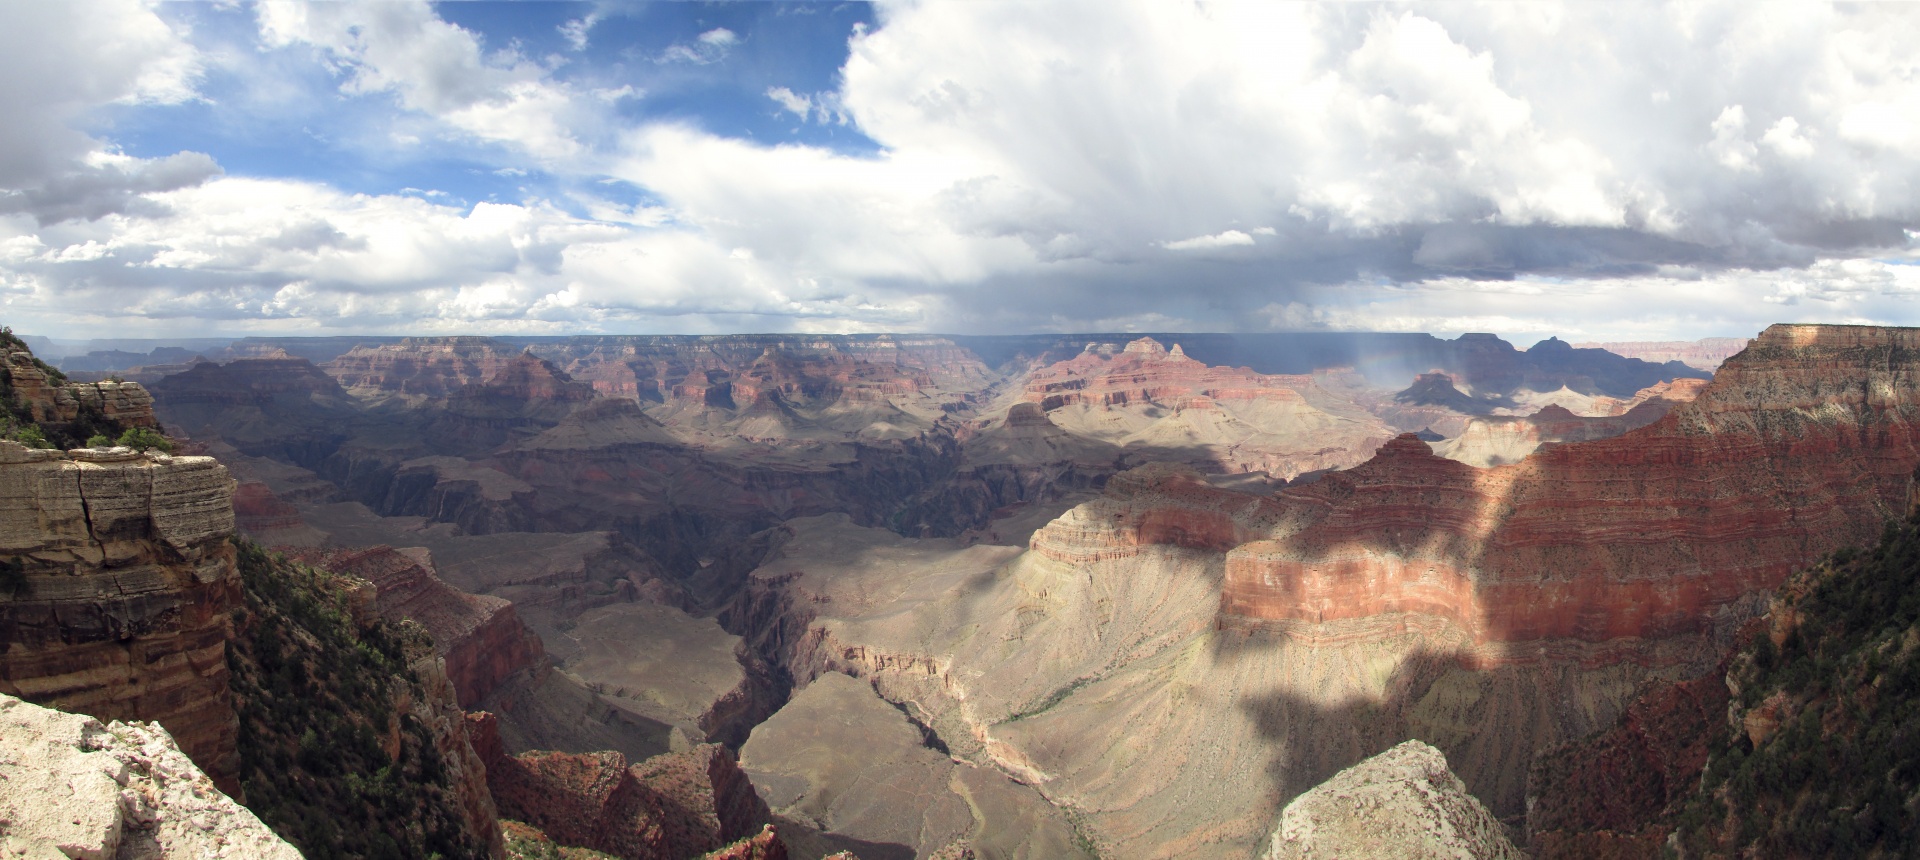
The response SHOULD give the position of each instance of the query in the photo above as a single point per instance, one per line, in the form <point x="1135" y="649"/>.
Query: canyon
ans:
<point x="917" y="596"/>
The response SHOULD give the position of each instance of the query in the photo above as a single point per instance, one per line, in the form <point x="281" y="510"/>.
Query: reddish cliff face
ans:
<point x="420" y="367"/>
<point x="1166" y="406"/>
<point x="123" y="585"/>
<point x="1802" y="444"/>
<point x="481" y="638"/>
<point x="670" y="806"/>
<point x="1147" y="372"/>
<point x="258" y="512"/>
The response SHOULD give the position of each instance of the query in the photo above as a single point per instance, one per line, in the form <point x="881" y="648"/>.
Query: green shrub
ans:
<point x="316" y="695"/>
<point x="98" y="441"/>
<point x="143" y="439"/>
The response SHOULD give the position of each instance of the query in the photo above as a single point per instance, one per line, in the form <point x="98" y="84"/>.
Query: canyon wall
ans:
<point x="121" y="581"/>
<point x="481" y="638"/>
<point x="1802" y="444"/>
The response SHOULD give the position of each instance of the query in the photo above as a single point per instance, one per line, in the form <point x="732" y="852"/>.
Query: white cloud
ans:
<point x="1224" y="239"/>
<point x="709" y="47"/>
<point x="793" y="103"/>
<point x="60" y="61"/>
<point x="1443" y="165"/>
<point x="575" y="30"/>
<point x="435" y="67"/>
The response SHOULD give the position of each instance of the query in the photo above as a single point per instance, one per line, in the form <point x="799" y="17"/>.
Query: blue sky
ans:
<point x="1617" y="171"/>
<point x="279" y="114"/>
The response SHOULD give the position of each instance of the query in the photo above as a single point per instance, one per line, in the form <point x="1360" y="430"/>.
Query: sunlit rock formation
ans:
<point x="1403" y="804"/>
<point x="1229" y="419"/>
<point x="71" y="787"/>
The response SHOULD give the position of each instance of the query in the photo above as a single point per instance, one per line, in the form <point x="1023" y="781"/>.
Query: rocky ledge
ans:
<point x="119" y="580"/>
<point x="71" y="787"/>
<point x="1403" y="804"/>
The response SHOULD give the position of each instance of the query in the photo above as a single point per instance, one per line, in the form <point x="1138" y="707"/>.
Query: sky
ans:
<point x="1596" y="171"/>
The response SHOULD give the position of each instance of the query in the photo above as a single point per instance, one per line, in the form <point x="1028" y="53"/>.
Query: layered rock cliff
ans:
<point x="1172" y="407"/>
<point x="1493" y="613"/>
<point x="121" y="586"/>
<point x="670" y="806"/>
<point x="480" y="637"/>
<point x="71" y="787"/>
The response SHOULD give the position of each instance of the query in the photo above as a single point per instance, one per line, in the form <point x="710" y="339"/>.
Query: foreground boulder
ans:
<point x="72" y="787"/>
<point x="1403" y="804"/>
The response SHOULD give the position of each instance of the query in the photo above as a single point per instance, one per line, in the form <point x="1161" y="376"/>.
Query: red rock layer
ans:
<point x="1599" y="796"/>
<point x="421" y="366"/>
<point x="1802" y="444"/>
<point x="1146" y="372"/>
<point x="126" y="579"/>
<point x="257" y="511"/>
<point x="670" y="806"/>
<point x="481" y="638"/>
<point x="765" y="845"/>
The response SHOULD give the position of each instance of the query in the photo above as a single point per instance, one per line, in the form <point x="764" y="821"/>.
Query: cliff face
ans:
<point x="1803" y="443"/>
<point x="1171" y="407"/>
<point x="670" y="806"/>
<point x="736" y="369"/>
<point x="120" y="609"/>
<point x="420" y="368"/>
<point x="480" y="637"/>
<point x="52" y="402"/>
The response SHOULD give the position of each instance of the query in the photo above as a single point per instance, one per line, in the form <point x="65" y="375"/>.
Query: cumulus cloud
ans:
<point x="1512" y="167"/>
<point x="435" y="67"/>
<point x="56" y="74"/>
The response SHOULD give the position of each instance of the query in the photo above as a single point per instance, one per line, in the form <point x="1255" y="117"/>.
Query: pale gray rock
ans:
<point x="1403" y="804"/>
<point x="71" y="787"/>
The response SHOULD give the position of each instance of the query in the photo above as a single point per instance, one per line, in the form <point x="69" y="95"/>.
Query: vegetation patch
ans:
<point x="326" y="758"/>
<point x="1821" y="753"/>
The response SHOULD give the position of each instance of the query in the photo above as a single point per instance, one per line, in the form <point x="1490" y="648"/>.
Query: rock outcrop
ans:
<point x="670" y="806"/>
<point x="54" y="402"/>
<point x="125" y="581"/>
<point x="1170" y="406"/>
<point x="1802" y="444"/>
<point x="71" y="787"/>
<point x="1403" y="804"/>
<point x="480" y="637"/>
